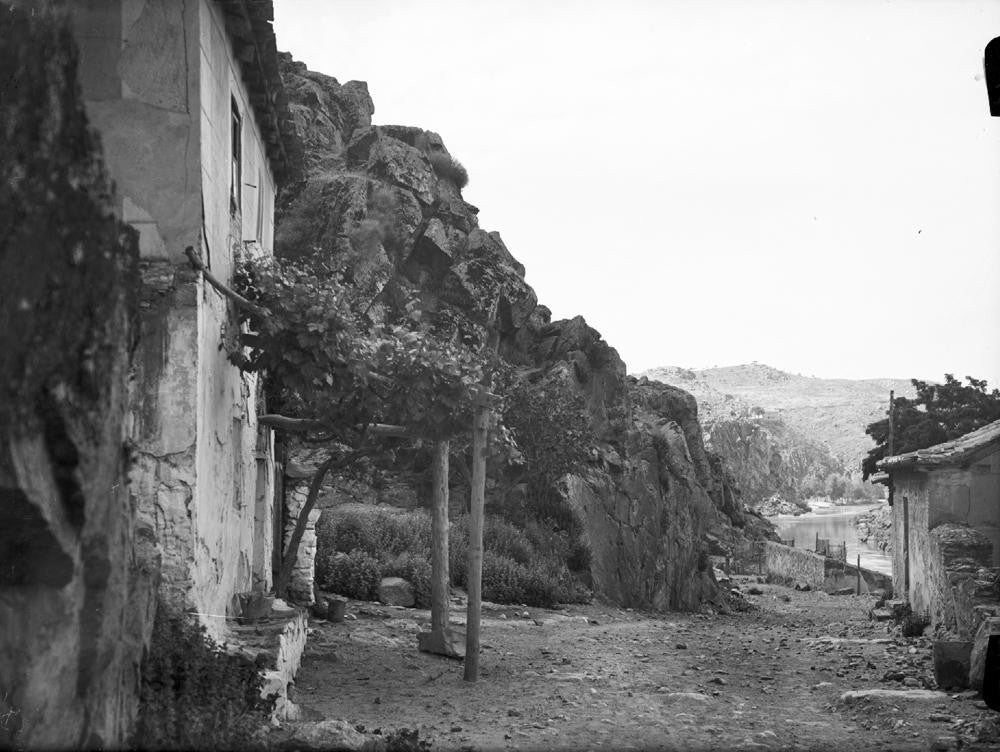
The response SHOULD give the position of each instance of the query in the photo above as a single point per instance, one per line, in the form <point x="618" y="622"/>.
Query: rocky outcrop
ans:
<point x="875" y="528"/>
<point x="786" y="438"/>
<point x="77" y="583"/>
<point x="385" y="203"/>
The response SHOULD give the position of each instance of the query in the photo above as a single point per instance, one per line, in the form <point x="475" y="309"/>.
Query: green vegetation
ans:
<point x="938" y="413"/>
<point x="337" y="375"/>
<point x="449" y="168"/>
<point x="356" y="549"/>
<point x="194" y="694"/>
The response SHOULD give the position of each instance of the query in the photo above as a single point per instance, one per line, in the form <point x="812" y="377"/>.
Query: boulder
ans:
<point x="951" y="664"/>
<point x="977" y="658"/>
<point x="395" y="591"/>
<point x="893" y="695"/>
<point x="450" y="644"/>
<point x="330" y="734"/>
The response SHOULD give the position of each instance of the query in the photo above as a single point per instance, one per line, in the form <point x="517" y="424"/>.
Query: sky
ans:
<point x="811" y="185"/>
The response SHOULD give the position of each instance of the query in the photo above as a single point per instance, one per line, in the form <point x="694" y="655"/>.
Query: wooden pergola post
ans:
<point x="439" y="537"/>
<point x="439" y="639"/>
<point x="480" y="427"/>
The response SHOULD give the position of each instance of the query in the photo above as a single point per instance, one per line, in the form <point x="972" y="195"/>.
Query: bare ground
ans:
<point x="598" y="677"/>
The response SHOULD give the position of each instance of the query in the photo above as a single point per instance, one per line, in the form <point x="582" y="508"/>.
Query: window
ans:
<point x="236" y="169"/>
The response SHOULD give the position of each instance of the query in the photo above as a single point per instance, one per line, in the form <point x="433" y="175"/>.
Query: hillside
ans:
<point x="782" y="433"/>
<point x="648" y="505"/>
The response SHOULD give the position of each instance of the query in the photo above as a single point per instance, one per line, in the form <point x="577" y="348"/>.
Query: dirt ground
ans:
<point x="598" y="677"/>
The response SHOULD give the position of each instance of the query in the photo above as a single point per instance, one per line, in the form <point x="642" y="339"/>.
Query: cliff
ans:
<point x="786" y="435"/>
<point x="385" y="202"/>
<point x="77" y="582"/>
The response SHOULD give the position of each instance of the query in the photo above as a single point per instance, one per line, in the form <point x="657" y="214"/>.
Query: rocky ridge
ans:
<point x="786" y="437"/>
<point x="385" y="201"/>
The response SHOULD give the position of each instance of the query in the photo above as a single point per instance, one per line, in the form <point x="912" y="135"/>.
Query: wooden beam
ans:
<point x="439" y="538"/>
<point x="474" y="584"/>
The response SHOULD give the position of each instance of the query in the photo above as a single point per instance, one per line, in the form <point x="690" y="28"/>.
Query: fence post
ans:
<point x="859" y="574"/>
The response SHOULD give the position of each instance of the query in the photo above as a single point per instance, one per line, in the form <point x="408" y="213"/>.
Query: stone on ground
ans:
<point x="395" y="591"/>
<point x="891" y="695"/>
<point x="324" y="735"/>
<point x="450" y="644"/>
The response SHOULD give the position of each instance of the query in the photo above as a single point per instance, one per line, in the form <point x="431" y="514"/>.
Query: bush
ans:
<point x="355" y="575"/>
<point x="356" y="550"/>
<point x="380" y="533"/>
<point x="194" y="694"/>
<point x="449" y="168"/>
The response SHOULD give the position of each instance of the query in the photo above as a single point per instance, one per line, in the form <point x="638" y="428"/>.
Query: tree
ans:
<point x="550" y="427"/>
<point x="341" y="373"/>
<point x="938" y="413"/>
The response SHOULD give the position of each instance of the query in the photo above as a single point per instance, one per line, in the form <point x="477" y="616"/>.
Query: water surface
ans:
<point x="836" y="524"/>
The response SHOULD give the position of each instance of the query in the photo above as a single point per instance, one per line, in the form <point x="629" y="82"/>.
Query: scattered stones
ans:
<point x="324" y="735"/>
<point x="944" y="744"/>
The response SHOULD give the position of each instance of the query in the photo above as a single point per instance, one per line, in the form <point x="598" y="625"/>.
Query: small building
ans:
<point x="189" y="106"/>
<point x="946" y="528"/>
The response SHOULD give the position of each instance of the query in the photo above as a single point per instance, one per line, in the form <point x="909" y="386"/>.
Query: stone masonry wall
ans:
<point x="300" y="587"/>
<point x="794" y="563"/>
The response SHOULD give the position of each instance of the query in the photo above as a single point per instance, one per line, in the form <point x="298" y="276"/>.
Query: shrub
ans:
<point x="449" y="168"/>
<point x="194" y="694"/>
<point x="355" y="550"/>
<point x="355" y="575"/>
<point x="380" y="533"/>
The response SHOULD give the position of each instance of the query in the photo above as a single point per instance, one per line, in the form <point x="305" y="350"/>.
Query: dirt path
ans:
<point x="597" y="677"/>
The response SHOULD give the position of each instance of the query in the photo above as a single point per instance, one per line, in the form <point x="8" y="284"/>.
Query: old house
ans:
<point x="946" y="528"/>
<point x="189" y="106"/>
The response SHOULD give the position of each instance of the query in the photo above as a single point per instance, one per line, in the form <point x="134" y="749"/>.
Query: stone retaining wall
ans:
<point x="794" y="563"/>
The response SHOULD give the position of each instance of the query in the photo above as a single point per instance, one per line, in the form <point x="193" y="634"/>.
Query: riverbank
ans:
<point x="598" y="677"/>
<point x="835" y="523"/>
<point x="875" y="528"/>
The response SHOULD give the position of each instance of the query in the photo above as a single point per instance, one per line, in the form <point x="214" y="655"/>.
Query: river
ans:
<point x="836" y="524"/>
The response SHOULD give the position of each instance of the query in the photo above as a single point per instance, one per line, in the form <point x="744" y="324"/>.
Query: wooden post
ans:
<point x="474" y="578"/>
<point x="890" y="449"/>
<point x="859" y="574"/>
<point x="892" y="427"/>
<point x="439" y="538"/>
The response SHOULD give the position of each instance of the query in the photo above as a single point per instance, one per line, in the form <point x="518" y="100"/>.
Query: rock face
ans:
<point x="77" y="583"/>
<point x="875" y="528"/>
<point x="652" y="503"/>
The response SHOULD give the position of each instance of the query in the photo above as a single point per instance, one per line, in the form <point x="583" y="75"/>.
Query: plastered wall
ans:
<point x="159" y="77"/>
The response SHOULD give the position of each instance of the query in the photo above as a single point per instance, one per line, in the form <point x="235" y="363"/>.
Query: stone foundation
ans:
<point x="277" y="642"/>
<point x="300" y="587"/>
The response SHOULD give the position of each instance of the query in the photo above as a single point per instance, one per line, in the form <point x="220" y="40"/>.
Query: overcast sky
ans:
<point x="812" y="185"/>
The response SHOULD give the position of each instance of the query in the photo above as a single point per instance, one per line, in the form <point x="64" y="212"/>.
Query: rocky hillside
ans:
<point x="785" y="434"/>
<point x="385" y="202"/>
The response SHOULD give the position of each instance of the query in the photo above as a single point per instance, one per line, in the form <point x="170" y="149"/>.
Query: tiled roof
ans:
<point x="955" y="452"/>
<point x="248" y="24"/>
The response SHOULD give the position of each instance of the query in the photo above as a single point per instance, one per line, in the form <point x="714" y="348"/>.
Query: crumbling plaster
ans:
<point x="166" y="70"/>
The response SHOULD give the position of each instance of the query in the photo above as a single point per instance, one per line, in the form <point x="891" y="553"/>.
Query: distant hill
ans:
<point x="782" y="433"/>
